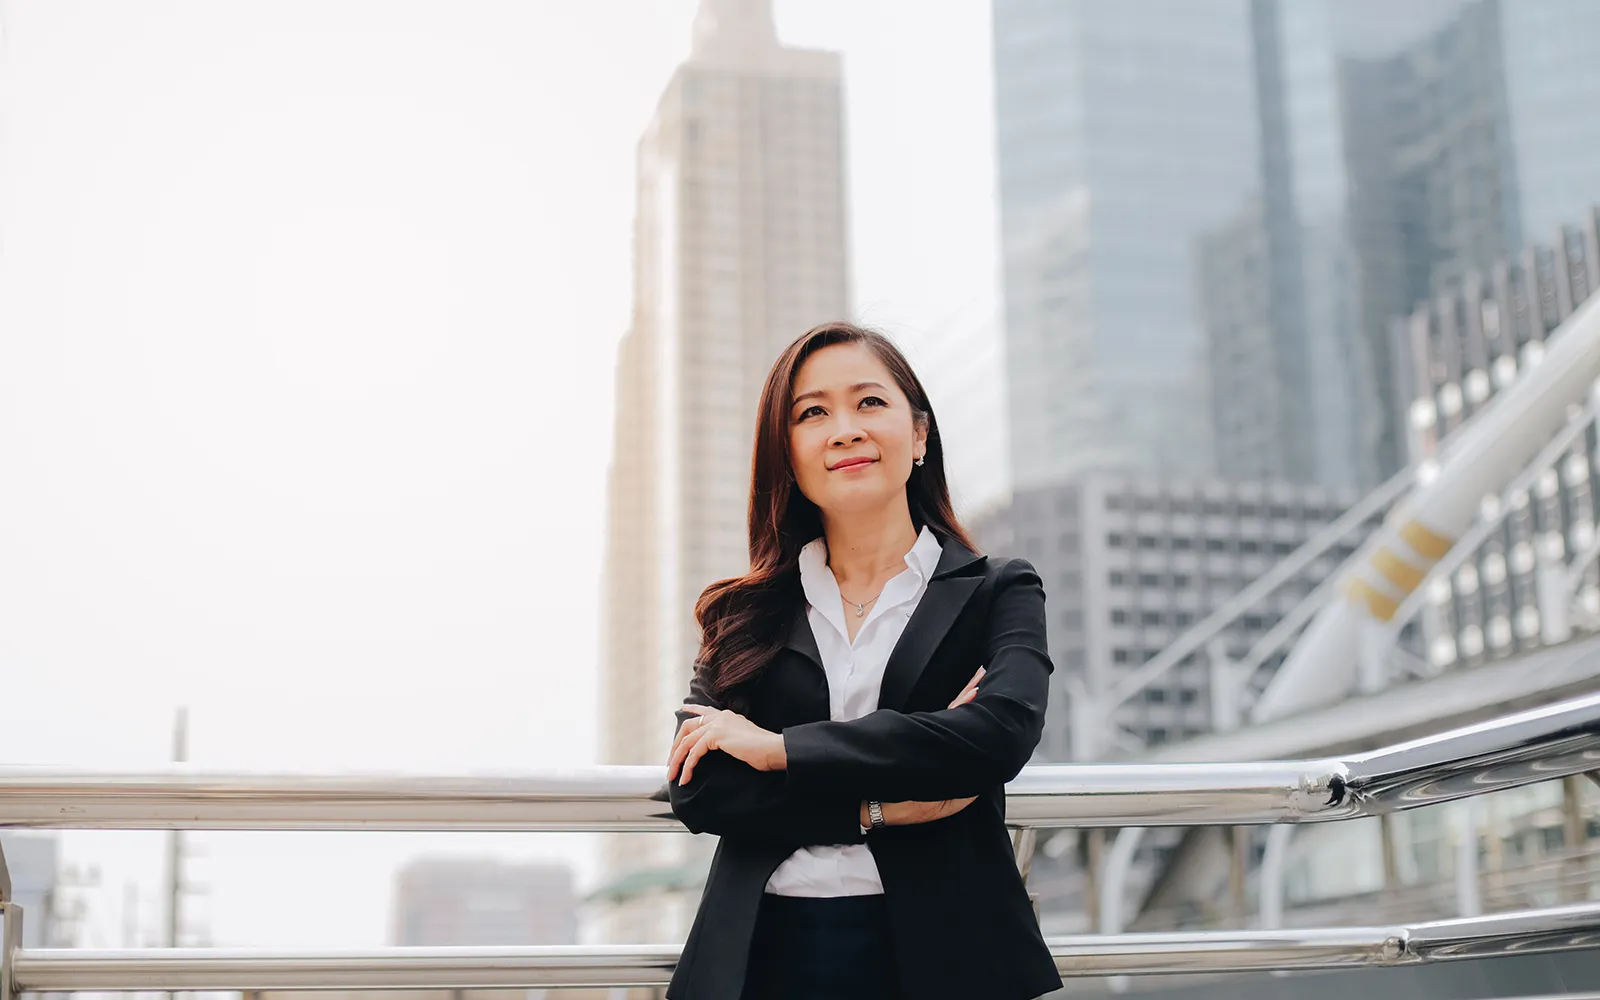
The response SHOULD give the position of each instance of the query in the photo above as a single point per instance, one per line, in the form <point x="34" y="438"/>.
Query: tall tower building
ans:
<point x="1124" y="131"/>
<point x="739" y="246"/>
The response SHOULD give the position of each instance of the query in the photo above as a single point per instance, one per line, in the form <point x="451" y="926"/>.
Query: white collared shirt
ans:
<point x="855" y="673"/>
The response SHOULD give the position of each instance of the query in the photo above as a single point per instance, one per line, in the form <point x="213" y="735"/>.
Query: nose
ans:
<point x="846" y="432"/>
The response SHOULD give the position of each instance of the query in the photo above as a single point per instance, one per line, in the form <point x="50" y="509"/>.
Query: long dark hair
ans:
<point x="743" y="618"/>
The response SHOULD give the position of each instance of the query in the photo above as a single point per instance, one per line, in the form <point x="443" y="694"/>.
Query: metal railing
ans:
<point x="1538" y="745"/>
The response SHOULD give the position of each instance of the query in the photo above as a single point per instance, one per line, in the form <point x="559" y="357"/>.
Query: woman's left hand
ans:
<point x="730" y="732"/>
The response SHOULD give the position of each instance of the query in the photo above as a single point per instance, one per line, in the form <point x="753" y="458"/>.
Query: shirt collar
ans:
<point x="822" y="590"/>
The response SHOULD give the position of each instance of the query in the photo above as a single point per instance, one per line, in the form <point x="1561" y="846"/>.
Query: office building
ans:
<point x="1464" y="146"/>
<point x="1124" y="131"/>
<point x="739" y="247"/>
<point x="1130" y="563"/>
<point x="1457" y="352"/>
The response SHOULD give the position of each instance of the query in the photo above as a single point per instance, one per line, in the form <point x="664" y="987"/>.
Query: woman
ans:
<point x="862" y="697"/>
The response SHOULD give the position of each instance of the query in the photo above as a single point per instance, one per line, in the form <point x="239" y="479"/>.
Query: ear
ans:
<point x="919" y="439"/>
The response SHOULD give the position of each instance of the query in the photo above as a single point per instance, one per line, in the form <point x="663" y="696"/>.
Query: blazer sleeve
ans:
<point x="730" y="798"/>
<point x="953" y="753"/>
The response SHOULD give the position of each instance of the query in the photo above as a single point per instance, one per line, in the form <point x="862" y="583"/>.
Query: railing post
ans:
<point x="1274" y="861"/>
<point x="1469" y="903"/>
<point x="1391" y="859"/>
<point x="10" y="944"/>
<point x="1238" y="871"/>
<point x="1574" y="836"/>
<point x="1094" y="843"/>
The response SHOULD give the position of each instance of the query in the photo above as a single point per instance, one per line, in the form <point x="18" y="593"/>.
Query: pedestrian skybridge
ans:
<point x="1551" y="742"/>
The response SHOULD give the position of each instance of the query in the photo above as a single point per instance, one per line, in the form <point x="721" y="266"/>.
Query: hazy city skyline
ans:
<point x="299" y="294"/>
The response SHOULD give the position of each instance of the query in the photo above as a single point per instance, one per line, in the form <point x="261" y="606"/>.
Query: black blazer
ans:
<point x="960" y="920"/>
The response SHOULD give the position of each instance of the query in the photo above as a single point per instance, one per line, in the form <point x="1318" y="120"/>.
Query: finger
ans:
<point x="707" y="741"/>
<point x="681" y="744"/>
<point x="967" y="693"/>
<point x="700" y="709"/>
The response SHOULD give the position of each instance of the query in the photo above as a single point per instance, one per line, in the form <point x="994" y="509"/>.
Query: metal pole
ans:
<point x="1083" y="955"/>
<point x="175" y="839"/>
<point x="1274" y="860"/>
<point x="10" y="949"/>
<point x="1574" y="836"/>
<point x="1238" y="869"/>
<point x="1391" y="862"/>
<point x="1563" y="738"/>
<point x="1468" y="901"/>
<point x="1094" y="844"/>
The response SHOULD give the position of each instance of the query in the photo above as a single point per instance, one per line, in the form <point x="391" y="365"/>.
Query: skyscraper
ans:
<point x="1124" y="131"/>
<point x="739" y="246"/>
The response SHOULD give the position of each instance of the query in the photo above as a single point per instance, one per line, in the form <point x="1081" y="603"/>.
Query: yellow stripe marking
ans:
<point x="1426" y="542"/>
<point x="1397" y="571"/>
<point x="1381" y="605"/>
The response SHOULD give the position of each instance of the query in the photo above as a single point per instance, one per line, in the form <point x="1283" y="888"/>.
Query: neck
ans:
<point x="865" y="550"/>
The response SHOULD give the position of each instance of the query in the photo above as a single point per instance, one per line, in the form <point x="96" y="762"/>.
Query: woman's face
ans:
<point x="852" y="438"/>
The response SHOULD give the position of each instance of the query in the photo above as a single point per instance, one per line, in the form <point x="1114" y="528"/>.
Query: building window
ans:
<point x="1119" y="616"/>
<point x="1119" y="656"/>
<point x="1118" y="578"/>
<point x="1147" y="542"/>
<point x="1116" y="540"/>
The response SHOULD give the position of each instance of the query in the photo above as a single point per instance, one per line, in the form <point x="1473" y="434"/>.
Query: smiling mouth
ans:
<point x="852" y="463"/>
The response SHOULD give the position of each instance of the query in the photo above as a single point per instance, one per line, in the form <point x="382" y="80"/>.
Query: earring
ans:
<point x="919" y="462"/>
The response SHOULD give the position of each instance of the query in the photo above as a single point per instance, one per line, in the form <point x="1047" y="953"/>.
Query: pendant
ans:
<point x="860" y="611"/>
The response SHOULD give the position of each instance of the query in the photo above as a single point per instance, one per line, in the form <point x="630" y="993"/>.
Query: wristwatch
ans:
<point x="875" y="814"/>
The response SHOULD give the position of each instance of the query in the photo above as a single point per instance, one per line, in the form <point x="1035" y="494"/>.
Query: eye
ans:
<point x="874" y="400"/>
<point x="808" y="411"/>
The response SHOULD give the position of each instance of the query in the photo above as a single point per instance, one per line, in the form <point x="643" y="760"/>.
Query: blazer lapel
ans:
<point x="946" y="595"/>
<point x="803" y="641"/>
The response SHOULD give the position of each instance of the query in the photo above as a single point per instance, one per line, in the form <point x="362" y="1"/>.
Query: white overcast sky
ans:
<point x="308" y="312"/>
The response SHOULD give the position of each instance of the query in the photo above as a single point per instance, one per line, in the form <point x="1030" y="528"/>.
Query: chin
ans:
<point x="869" y="497"/>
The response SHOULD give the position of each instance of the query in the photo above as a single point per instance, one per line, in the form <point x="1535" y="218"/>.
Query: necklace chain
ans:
<point x="861" y="607"/>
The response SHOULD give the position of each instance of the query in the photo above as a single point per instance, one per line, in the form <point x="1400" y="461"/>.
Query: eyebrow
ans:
<point x="855" y="388"/>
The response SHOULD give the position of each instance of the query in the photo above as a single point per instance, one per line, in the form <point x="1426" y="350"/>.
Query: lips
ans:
<point x="850" y="463"/>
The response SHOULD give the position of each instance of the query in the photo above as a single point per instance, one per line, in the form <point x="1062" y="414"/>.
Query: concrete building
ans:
<point x="739" y="246"/>
<point x="445" y="902"/>
<point x="1129" y="563"/>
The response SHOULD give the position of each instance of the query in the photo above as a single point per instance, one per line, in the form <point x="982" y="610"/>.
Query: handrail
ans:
<point x="1531" y="746"/>
<point x="1527" y="932"/>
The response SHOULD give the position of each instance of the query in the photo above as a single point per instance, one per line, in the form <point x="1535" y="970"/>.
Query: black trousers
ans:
<point x="820" y="949"/>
